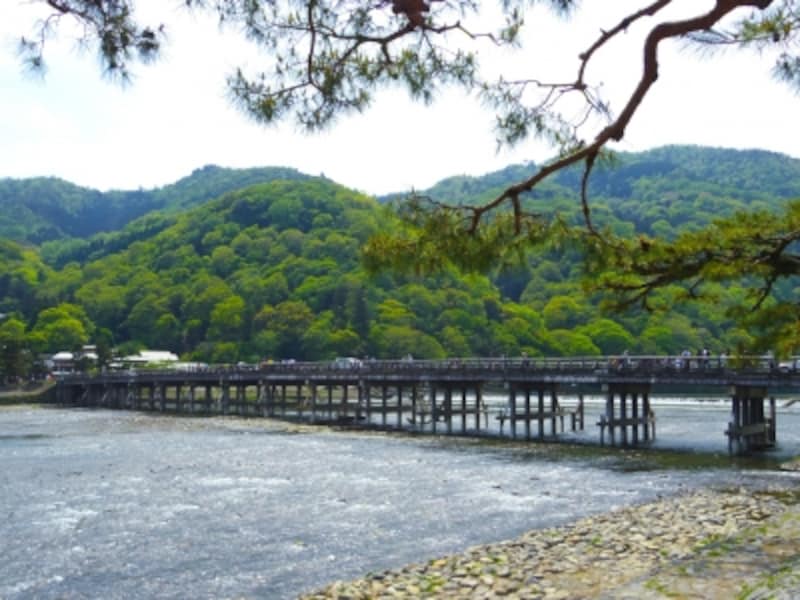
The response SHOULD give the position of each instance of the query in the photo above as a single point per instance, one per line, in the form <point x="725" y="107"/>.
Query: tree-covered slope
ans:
<point x="46" y="208"/>
<point x="274" y="270"/>
<point x="658" y="190"/>
<point x="676" y="184"/>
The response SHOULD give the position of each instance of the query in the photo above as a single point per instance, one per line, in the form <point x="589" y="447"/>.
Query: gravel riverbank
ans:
<point x="712" y="544"/>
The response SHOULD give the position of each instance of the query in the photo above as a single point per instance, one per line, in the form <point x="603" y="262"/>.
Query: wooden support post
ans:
<point x="527" y="412"/>
<point x="359" y="401"/>
<point x="434" y="410"/>
<point x="368" y="398"/>
<point x="240" y="405"/>
<point x="635" y="417"/>
<point x="623" y="415"/>
<point x="399" y="406"/>
<point x="268" y="390"/>
<point x="414" y="404"/>
<point x="540" y="413"/>
<point x="384" y="400"/>
<point x="611" y="417"/>
<point x="299" y="400"/>
<point x="733" y="425"/>
<point x="480" y="408"/>
<point x="448" y="407"/>
<point x="553" y="410"/>
<point x="464" y="410"/>
<point x="313" y="402"/>
<point x="580" y="411"/>
<point x="773" y="429"/>
<point x="330" y="402"/>
<point x="512" y="406"/>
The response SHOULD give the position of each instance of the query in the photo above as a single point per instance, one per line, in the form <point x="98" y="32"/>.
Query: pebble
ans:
<point x="665" y="545"/>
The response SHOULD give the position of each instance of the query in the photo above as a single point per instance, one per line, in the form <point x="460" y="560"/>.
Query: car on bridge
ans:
<point x="347" y="362"/>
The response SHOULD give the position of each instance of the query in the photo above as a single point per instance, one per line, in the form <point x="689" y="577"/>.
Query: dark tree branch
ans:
<point x="615" y="131"/>
<point x="623" y="25"/>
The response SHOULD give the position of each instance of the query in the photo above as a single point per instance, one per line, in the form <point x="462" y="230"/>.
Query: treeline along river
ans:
<point x="117" y="504"/>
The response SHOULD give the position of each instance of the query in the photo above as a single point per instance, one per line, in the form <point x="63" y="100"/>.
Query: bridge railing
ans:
<point x="580" y="364"/>
<point x="623" y="364"/>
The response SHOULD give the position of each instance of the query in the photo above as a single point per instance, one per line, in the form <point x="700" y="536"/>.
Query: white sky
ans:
<point x="176" y="118"/>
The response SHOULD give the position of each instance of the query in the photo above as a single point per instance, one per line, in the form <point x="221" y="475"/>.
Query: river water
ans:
<point x="114" y="504"/>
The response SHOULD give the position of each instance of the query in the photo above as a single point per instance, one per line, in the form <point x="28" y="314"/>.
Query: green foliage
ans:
<point x="610" y="337"/>
<point x="564" y="312"/>
<point x="52" y="210"/>
<point x="238" y="279"/>
<point x="62" y="327"/>
<point x="22" y="274"/>
<point x="753" y="253"/>
<point x="393" y="341"/>
<point x="15" y="359"/>
<point x="572" y="343"/>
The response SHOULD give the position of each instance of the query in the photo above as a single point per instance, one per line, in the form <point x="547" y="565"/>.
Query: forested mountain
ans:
<point x="657" y="191"/>
<point x="747" y="174"/>
<point x="270" y="270"/>
<point x="46" y="208"/>
<point x="273" y="270"/>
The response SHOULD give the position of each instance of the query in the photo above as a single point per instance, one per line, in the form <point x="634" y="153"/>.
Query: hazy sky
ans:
<point x="176" y="118"/>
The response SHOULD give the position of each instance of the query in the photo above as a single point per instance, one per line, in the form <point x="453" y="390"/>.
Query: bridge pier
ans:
<point x="749" y="428"/>
<point x="612" y="420"/>
<point x="450" y="410"/>
<point x="555" y="413"/>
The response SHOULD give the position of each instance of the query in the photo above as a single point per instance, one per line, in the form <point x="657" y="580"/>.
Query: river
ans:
<point x="114" y="504"/>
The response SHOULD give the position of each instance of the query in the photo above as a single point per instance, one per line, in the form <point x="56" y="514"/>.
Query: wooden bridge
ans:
<point x="458" y="396"/>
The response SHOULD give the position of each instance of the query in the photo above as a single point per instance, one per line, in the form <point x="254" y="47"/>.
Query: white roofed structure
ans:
<point x="151" y="356"/>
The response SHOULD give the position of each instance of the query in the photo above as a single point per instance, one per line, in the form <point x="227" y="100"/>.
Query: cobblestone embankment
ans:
<point x="710" y="544"/>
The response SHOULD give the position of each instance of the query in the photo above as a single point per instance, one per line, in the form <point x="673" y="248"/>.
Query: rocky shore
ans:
<point x="724" y="544"/>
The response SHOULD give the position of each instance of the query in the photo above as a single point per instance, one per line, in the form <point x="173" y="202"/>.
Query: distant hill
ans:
<point x="641" y="187"/>
<point x="43" y="209"/>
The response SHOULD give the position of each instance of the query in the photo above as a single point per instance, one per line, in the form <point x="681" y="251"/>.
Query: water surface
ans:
<point x="112" y="504"/>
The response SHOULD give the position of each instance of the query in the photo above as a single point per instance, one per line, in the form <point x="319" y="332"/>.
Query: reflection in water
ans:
<point x="120" y="505"/>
